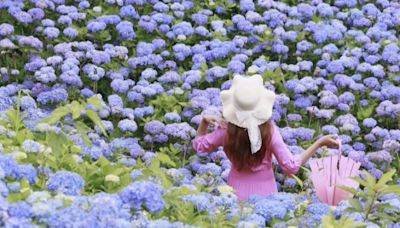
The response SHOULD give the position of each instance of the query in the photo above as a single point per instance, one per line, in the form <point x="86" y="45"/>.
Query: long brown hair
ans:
<point x="237" y="146"/>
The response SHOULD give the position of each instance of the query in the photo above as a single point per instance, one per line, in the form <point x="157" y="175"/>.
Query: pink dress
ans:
<point x="261" y="179"/>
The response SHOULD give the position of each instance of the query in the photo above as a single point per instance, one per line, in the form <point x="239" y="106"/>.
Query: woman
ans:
<point x="250" y="138"/>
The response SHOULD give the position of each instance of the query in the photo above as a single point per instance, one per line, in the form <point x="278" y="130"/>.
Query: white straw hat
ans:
<point x="248" y="104"/>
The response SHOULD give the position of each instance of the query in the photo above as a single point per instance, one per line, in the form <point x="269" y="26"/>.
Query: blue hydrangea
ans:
<point x="28" y="171"/>
<point x="125" y="30"/>
<point x="27" y="102"/>
<point x="135" y="174"/>
<point x="4" y="191"/>
<point x="127" y="125"/>
<point x="119" y="86"/>
<point x="31" y="146"/>
<point x="154" y="127"/>
<point x="20" y="210"/>
<point x="96" y="26"/>
<point x="2" y="173"/>
<point x="172" y="117"/>
<point x="66" y="182"/>
<point x="210" y="167"/>
<point x="290" y="183"/>
<point x="6" y="29"/>
<point x="71" y="216"/>
<point x="144" y="193"/>
<point x="270" y="209"/>
<point x="202" y="202"/>
<point x="53" y="96"/>
<point x="179" y="130"/>
<point x="317" y="211"/>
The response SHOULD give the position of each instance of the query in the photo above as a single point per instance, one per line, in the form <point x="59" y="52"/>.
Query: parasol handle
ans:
<point x="339" y="153"/>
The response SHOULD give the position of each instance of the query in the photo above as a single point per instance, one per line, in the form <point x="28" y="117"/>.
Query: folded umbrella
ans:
<point x="332" y="171"/>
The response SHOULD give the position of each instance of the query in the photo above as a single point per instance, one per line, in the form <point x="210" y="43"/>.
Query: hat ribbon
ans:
<point x="248" y="119"/>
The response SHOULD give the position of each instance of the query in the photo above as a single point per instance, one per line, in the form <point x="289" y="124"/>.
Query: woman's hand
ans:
<point x="214" y="120"/>
<point x="208" y="119"/>
<point x="330" y="141"/>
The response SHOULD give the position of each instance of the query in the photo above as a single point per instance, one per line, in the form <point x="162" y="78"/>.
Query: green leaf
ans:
<point x="95" y="102"/>
<point x="316" y="18"/>
<point x="155" y="165"/>
<point x="362" y="182"/>
<point x="25" y="188"/>
<point x="165" y="159"/>
<point x="385" y="178"/>
<point x="14" y="197"/>
<point x="56" y="115"/>
<point x="370" y="179"/>
<point x="76" y="149"/>
<point x="204" y="67"/>
<point x="182" y="191"/>
<point x="24" y="183"/>
<point x="356" y="204"/>
<point x="76" y="109"/>
<point x="82" y="129"/>
<point x="391" y="189"/>
<point x="268" y="75"/>
<point x="23" y="135"/>
<point x="305" y="169"/>
<point x="366" y="112"/>
<point x="329" y="221"/>
<point x="125" y="179"/>
<point x="385" y="206"/>
<point x="350" y="210"/>
<point x="298" y="180"/>
<point x="57" y="142"/>
<point x="348" y="189"/>
<point x="96" y="120"/>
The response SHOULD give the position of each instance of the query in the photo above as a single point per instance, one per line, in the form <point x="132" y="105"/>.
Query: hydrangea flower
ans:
<point x="66" y="182"/>
<point x="32" y="146"/>
<point x="127" y="125"/>
<point x="143" y="193"/>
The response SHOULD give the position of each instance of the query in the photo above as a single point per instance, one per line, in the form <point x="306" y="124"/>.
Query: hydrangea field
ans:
<point x="99" y="102"/>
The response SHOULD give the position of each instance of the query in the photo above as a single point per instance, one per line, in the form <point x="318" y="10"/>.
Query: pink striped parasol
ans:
<point x="329" y="172"/>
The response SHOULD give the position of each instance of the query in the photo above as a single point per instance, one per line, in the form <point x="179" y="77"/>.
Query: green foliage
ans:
<point x="299" y="181"/>
<point x="155" y="170"/>
<point x="176" y="155"/>
<point x="103" y="176"/>
<point x="366" y="112"/>
<point x="329" y="221"/>
<point x="367" y="201"/>
<point x="61" y="153"/>
<point x="165" y="103"/>
<point x="165" y="159"/>
<point x="24" y="191"/>
<point x="178" y="210"/>
<point x="276" y="77"/>
<point x="78" y="111"/>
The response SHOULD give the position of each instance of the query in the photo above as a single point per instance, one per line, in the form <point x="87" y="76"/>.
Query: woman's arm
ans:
<point x="330" y="141"/>
<point x="291" y="163"/>
<point x="307" y="154"/>
<point x="208" y="142"/>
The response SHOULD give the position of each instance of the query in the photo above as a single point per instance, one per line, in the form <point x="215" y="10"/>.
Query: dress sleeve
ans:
<point x="209" y="142"/>
<point x="289" y="163"/>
